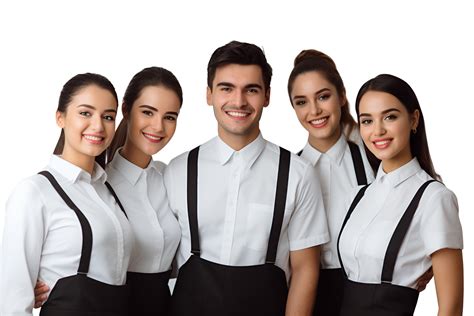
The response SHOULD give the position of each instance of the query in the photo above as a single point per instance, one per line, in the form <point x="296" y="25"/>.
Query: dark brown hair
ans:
<point x="405" y="94"/>
<point x="242" y="54"/>
<point x="69" y="90"/>
<point x="312" y="60"/>
<point x="151" y="76"/>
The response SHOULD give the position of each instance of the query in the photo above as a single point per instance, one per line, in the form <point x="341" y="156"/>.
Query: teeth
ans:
<point x="90" y="137"/>
<point x="152" y="137"/>
<point x="319" y="121"/>
<point x="381" y="143"/>
<point x="237" y="114"/>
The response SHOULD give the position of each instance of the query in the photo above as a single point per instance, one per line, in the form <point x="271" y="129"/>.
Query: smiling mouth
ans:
<point x="94" y="139"/>
<point x="237" y="114"/>
<point x="382" y="144"/>
<point x="320" y="122"/>
<point x="152" y="138"/>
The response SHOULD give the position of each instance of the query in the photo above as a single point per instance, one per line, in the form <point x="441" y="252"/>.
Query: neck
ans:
<point x="324" y="144"/>
<point x="84" y="162"/>
<point x="237" y="142"/>
<point x="389" y="165"/>
<point x="135" y="155"/>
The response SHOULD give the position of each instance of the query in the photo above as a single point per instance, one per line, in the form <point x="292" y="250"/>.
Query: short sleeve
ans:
<point x="440" y="225"/>
<point x="23" y="237"/>
<point x="308" y="225"/>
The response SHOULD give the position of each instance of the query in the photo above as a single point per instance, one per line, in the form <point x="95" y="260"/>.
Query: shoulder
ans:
<point x="299" y="166"/>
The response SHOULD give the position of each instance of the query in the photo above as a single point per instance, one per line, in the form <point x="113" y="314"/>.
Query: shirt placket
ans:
<point x="231" y="208"/>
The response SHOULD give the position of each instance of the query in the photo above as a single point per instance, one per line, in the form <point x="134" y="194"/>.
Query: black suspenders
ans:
<point x="278" y="212"/>
<point x="357" y="162"/>
<point x="398" y="236"/>
<point x="86" y="227"/>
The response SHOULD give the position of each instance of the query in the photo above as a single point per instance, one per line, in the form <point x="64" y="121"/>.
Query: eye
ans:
<point x="225" y="89"/>
<point x="171" y="118"/>
<point x="109" y="117"/>
<point x="147" y="112"/>
<point x="299" y="102"/>
<point x="85" y="113"/>
<point x="324" y="97"/>
<point x="390" y="117"/>
<point x="366" y="121"/>
<point x="252" y="90"/>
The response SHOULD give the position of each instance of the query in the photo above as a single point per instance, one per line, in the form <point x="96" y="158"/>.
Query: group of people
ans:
<point x="354" y="224"/>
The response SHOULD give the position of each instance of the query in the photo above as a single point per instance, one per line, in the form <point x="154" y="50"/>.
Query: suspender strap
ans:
<point x="399" y="234"/>
<point x="86" y="228"/>
<point x="192" y="200"/>
<point x="358" y="163"/>
<point x="300" y="152"/>
<point x="116" y="198"/>
<point x="356" y="200"/>
<point x="279" y="206"/>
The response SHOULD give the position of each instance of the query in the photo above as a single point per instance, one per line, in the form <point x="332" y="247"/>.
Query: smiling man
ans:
<point x="251" y="213"/>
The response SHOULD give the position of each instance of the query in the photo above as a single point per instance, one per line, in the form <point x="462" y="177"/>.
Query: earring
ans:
<point x="414" y="130"/>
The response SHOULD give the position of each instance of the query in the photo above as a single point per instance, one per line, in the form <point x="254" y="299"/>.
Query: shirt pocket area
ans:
<point x="258" y="226"/>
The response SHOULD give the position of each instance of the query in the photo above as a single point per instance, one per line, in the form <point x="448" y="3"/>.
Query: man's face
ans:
<point x="238" y="96"/>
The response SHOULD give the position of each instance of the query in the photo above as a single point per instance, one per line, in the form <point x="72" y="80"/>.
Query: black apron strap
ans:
<point x="86" y="228"/>
<point x="399" y="234"/>
<point x="358" y="163"/>
<point x="192" y="200"/>
<point x="279" y="206"/>
<point x="116" y="198"/>
<point x="356" y="200"/>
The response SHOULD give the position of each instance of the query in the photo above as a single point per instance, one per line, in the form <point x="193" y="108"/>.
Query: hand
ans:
<point x="423" y="281"/>
<point x="41" y="293"/>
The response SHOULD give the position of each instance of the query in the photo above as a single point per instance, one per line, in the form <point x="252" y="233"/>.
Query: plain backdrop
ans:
<point x="429" y="44"/>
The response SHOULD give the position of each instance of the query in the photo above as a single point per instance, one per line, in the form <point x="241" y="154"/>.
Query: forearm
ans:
<point x="303" y="284"/>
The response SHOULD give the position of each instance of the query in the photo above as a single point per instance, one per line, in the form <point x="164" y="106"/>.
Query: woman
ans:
<point x="63" y="226"/>
<point x="405" y="221"/>
<point x="318" y="96"/>
<point x="150" y="108"/>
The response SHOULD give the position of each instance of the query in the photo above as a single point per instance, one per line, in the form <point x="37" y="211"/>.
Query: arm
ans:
<point x="304" y="279"/>
<point x="448" y="275"/>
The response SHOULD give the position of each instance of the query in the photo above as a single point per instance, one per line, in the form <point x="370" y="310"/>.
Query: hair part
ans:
<point x="239" y="53"/>
<point x="151" y="76"/>
<point x="405" y="94"/>
<point x="310" y="60"/>
<point x="70" y="89"/>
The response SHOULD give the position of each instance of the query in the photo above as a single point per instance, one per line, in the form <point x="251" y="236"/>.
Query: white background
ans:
<point x="44" y="43"/>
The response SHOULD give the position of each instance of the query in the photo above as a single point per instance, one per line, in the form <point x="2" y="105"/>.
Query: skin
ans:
<point x="318" y="108"/>
<point x="151" y="124"/>
<point x="89" y="126"/>
<point x="238" y="97"/>
<point x="385" y="127"/>
<point x="154" y="112"/>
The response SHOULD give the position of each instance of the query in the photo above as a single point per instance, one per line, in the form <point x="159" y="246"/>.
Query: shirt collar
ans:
<point x="74" y="173"/>
<point x="248" y="154"/>
<point x="401" y="174"/>
<point x="129" y="170"/>
<point x="335" y="153"/>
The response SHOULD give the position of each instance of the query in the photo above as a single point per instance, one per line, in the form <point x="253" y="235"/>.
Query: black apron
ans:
<point x="384" y="299"/>
<point x="149" y="292"/>
<point x="330" y="290"/>
<point x="79" y="295"/>
<point x="211" y="289"/>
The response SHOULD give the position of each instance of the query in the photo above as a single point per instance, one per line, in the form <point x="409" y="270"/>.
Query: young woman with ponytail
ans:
<point x="64" y="226"/>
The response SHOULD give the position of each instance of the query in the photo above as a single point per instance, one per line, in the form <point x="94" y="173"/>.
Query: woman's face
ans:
<point x="385" y="127"/>
<point x="318" y="108"/>
<point x="152" y="120"/>
<point x="88" y="123"/>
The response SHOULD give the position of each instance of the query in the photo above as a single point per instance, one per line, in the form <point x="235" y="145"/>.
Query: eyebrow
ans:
<point x="94" y="108"/>
<point x="317" y="92"/>
<point x="250" y="85"/>
<point x="172" y="113"/>
<point x="149" y="107"/>
<point x="383" y="112"/>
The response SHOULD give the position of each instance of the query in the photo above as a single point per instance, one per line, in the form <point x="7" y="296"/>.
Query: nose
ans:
<point x="97" y="123"/>
<point x="158" y="123"/>
<point x="239" y="99"/>
<point x="314" y="108"/>
<point x="379" y="129"/>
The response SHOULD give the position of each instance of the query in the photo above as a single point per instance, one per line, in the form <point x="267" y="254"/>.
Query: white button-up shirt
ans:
<point x="236" y="194"/>
<point x="43" y="238"/>
<point x="435" y="226"/>
<point x="143" y="195"/>
<point x="335" y="171"/>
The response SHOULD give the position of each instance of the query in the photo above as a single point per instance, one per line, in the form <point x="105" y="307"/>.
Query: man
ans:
<point x="251" y="214"/>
